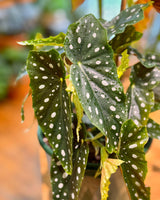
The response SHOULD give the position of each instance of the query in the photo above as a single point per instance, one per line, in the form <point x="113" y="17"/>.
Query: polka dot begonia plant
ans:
<point x="79" y="101"/>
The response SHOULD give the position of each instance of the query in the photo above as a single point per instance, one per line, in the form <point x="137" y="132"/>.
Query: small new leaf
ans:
<point x="109" y="166"/>
<point x="124" y="64"/>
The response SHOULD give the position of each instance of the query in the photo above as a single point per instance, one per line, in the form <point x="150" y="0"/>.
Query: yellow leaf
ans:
<point x="79" y="112"/>
<point x="76" y="4"/>
<point x="109" y="166"/>
<point x="124" y="64"/>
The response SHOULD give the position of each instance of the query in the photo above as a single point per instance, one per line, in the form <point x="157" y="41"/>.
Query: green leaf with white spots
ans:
<point x="139" y="104"/>
<point x="94" y="76"/>
<point x="124" y="64"/>
<point x="121" y="41"/>
<point x="57" y="40"/>
<point x="156" y="91"/>
<point x="156" y="106"/>
<point x="149" y="60"/>
<point x="51" y="102"/>
<point x="109" y="166"/>
<point x="153" y="129"/>
<point x="140" y="93"/>
<point x="132" y="153"/>
<point x="127" y="17"/>
<point x="64" y="186"/>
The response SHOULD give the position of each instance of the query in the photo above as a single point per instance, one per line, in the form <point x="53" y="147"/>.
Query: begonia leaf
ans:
<point x="140" y="93"/>
<point x="132" y="153"/>
<point x="149" y="60"/>
<point x="66" y="186"/>
<point x="127" y="17"/>
<point x="94" y="76"/>
<point x="121" y="41"/>
<point x="51" y="102"/>
<point x="153" y="129"/>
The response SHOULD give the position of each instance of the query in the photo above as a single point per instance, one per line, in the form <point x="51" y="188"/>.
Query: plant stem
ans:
<point x="123" y="4"/>
<point x="99" y="135"/>
<point x="100" y="8"/>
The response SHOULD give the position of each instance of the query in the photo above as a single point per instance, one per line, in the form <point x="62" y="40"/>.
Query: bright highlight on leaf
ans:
<point x="109" y="166"/>
<point x="76" y="4"/>
<point x="124" y="64"/>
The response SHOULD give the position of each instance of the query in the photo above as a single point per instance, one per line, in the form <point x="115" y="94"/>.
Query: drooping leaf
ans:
<point x="22" y="107"/>
<point x="57" y="40"/>
<point x="51" y="102"/>
<point x="109" y="166"/>
<point x="149" y="60"/>
<point x="140" y="93"/>
<point x="127" y="17"/>
<point x="76" y="4"/>
<point x="132" y="153"/>
<point x="66" y="186"/>
<point x="94" y="76"/>
<point x="153" y="129"/>
<point x="124" y="64"/>
<point x="121" y="41"/>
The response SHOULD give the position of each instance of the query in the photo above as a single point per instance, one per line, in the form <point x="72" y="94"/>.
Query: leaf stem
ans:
<point x="99" y="135"/>
<point x="100" y="8"/>
<point x="123" y="4"/>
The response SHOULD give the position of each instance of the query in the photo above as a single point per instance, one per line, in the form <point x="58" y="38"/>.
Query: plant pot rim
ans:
<point x="90" y="166"/>
<point x="49" y="151"/>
